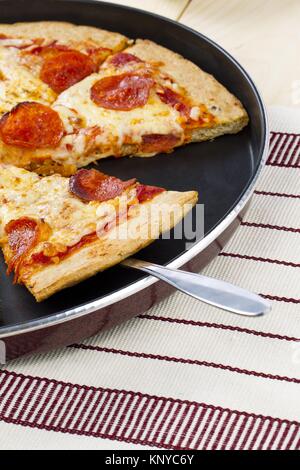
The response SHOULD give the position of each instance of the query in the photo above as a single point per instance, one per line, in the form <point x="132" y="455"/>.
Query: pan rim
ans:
<point x="198" y="247"/>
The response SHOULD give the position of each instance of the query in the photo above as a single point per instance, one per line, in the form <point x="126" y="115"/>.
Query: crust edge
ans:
<point x="65" y="31"/>
<point x="108" y="251"/>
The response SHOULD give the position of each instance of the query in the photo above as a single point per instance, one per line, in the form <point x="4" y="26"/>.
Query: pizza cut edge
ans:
<point x="39" y="267"/>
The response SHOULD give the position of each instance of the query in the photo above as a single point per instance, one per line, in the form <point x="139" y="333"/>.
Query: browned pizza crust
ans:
<point x="163" y="212"/>
<point x="67" y="33"/>
<point x="27" y="159"/>
<point x="200" y="86"/>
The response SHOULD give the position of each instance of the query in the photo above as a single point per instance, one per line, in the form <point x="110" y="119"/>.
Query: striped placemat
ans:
<point x="185" y="375"/>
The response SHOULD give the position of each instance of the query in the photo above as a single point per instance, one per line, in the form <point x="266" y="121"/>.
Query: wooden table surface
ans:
<point x="263" y="35"/>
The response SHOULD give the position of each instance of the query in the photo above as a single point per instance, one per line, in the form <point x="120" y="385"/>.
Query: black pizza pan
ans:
<point x="223" y="171"/>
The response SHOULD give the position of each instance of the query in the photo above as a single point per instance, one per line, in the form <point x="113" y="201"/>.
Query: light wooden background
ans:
<point x="264" y="35"/>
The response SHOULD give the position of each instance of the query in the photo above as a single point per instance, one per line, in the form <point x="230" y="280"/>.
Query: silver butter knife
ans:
<point x="212" y="291"/>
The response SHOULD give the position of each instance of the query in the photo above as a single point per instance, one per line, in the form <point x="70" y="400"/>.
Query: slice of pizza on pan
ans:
<point x="40" y="60"/>
<point x="143" y="101"/>
<point x="57" y="231"/>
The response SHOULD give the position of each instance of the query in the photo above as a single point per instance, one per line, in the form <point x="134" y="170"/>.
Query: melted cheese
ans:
<point x="17" y="84"/>
<point x="92" y="132"/>
<point x="25" y="194"/>
<point x="116" y="127"/>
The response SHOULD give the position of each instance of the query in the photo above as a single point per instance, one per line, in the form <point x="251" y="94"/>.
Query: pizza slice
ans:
<point x="57" y="231"/>
<point x="143" y="101"/>
<point x="40" y="60"/>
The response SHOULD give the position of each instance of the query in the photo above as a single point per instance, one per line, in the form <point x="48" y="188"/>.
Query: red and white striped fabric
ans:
<point x="185" y="375"/>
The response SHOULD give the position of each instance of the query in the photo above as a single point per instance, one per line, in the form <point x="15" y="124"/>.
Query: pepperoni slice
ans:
<point x="22" y="236"/>
<point x="123" y="58"/>
<point x="31" y="125"/>
<point x="122" y="92"/>
<point x="65" y="68"/>
<point x="172" y="98"/>
<point x="92" y="185"/>
<point x="146" y="193"/>
<point x="156" y="143"/>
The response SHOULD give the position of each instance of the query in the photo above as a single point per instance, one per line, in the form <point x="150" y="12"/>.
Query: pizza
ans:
<point x="88" y="94"/>
<point x="56" y="231"/>
<point x="40" y="60"/>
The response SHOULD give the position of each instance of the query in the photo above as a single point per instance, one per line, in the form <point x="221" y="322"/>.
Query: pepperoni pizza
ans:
<point x="57" y="231"/>
<point x="74" y="94"/>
